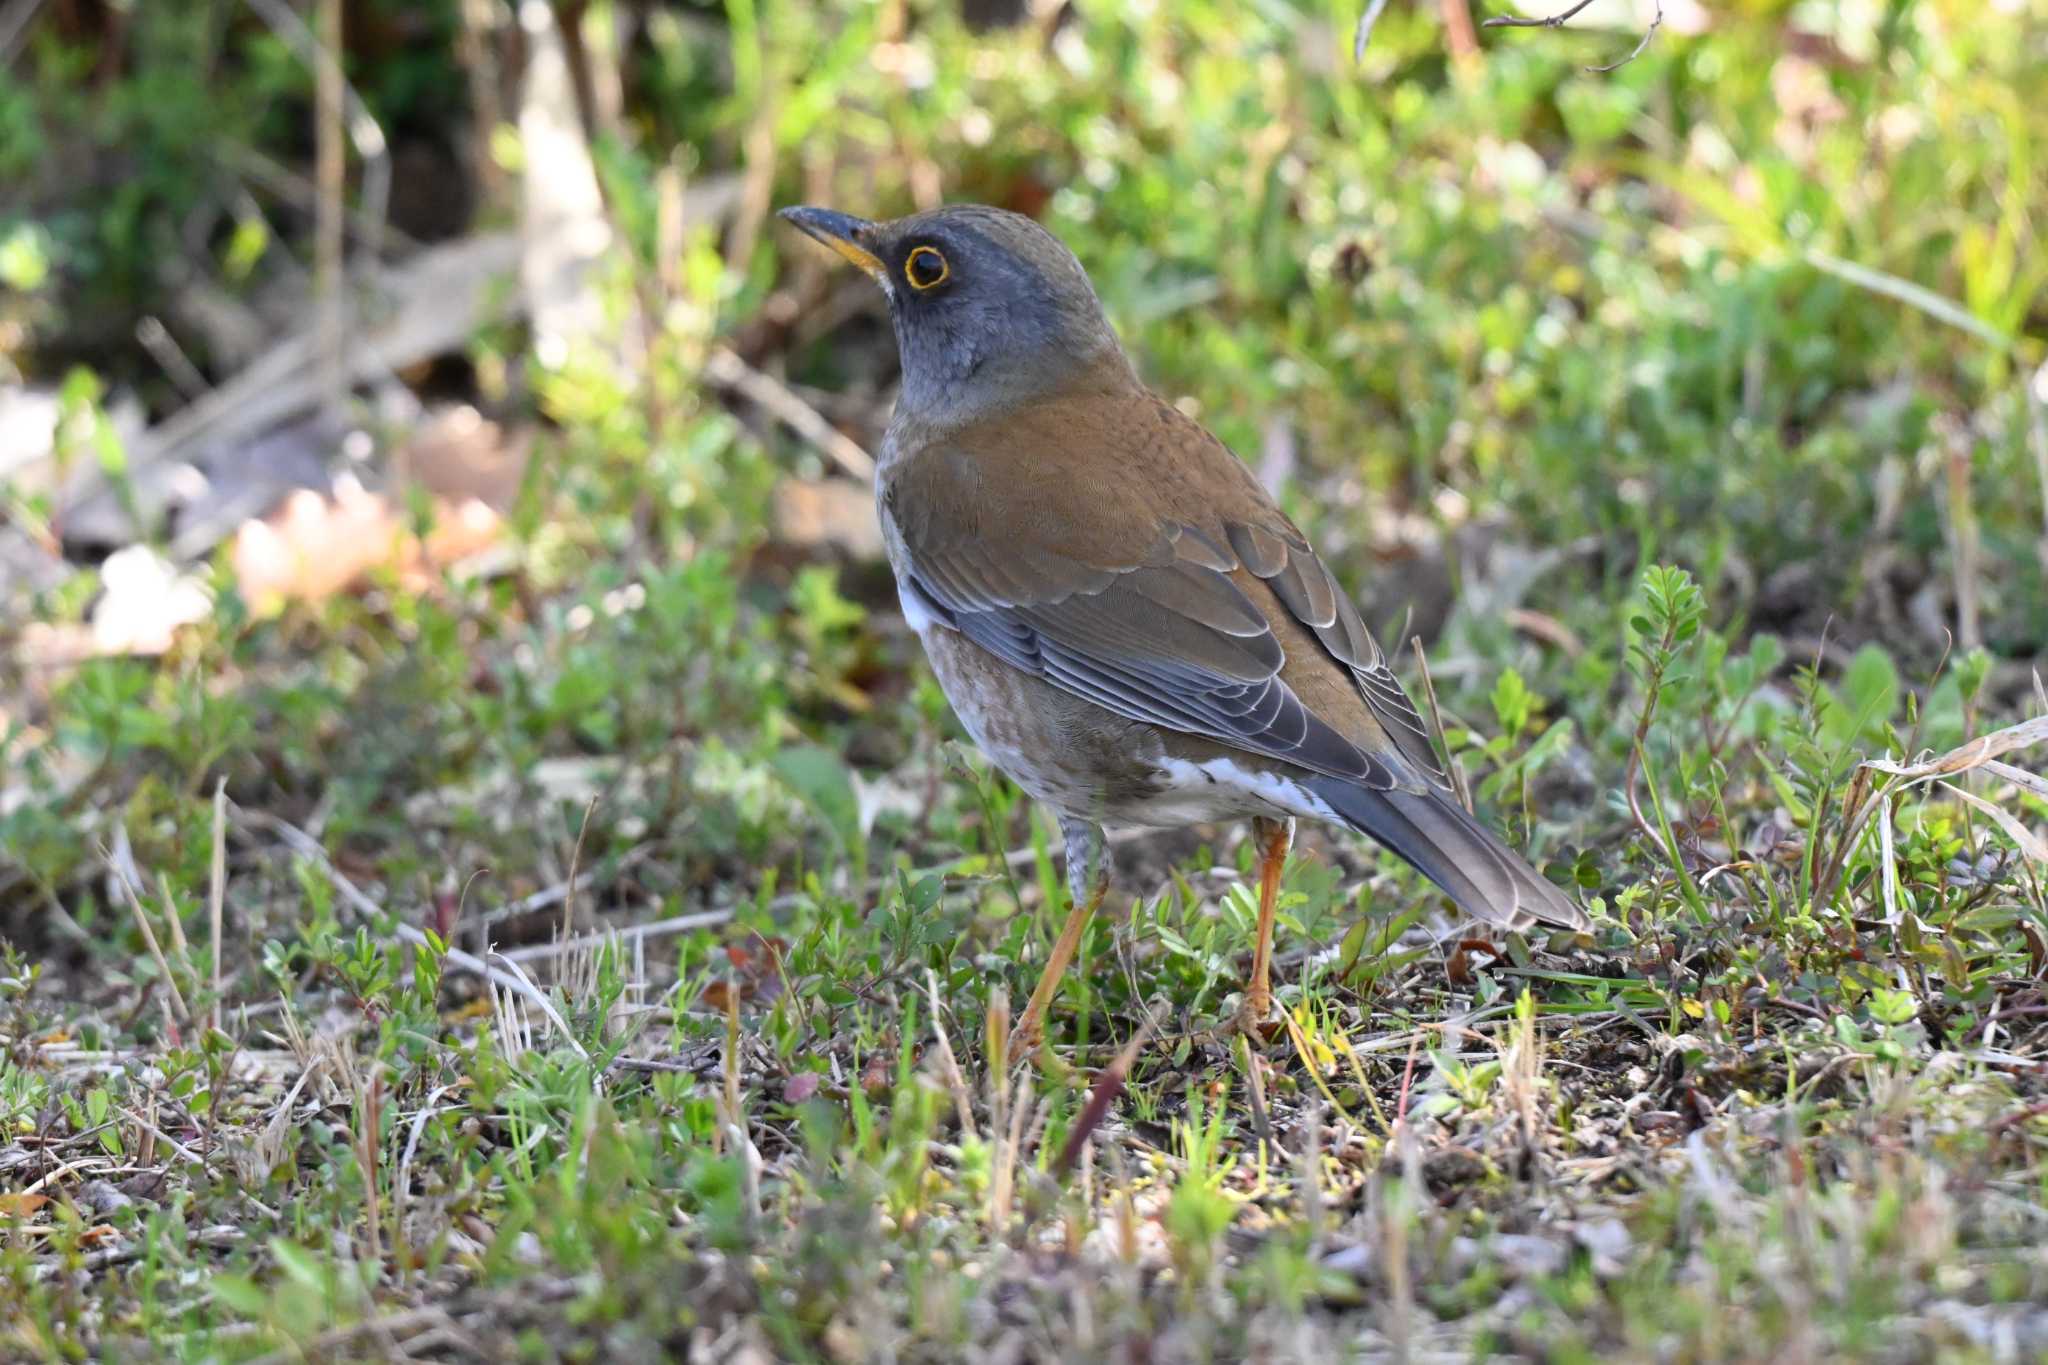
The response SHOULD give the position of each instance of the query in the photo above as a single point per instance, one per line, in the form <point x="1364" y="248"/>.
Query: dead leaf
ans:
<point x="758" y="962"/>
<point x="457" y="453"/>
<point x="2029" y="842"/>
<point x="21" y="1205"/>
<point x="2019" y="777"/>
<point x="315" y="547"/>
<point x="2037" y="947"/>
<point x="1461" y="967"/>
<point x="1973" y="754"/>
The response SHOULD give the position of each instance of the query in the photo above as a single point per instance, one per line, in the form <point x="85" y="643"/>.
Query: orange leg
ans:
<point x="1275" y="837"/>
<point x="1025" y="1036"/>
<point x="1087" y="884"/>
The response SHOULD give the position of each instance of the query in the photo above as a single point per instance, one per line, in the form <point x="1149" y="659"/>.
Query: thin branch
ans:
<point x="217" y="886"/>
<point x="307" y="847"/>
<point x="1912" y="295"/>
<point x="13" y="23"/>
<point x="1656" y="22"/>
<point x="679" y="924"/>
<point x="363" y="128"/>
<point x="1559" y="20"/>
<point x="1108" y="1085"/>
<point x="120" y="861"/>
<point x="727" y="371"/>
<point x="1518" y="21"/>
<point x="329" y="244"/>
<point x="281" y="181"/>
<point x="2034" y="392"/>
<point x="1366" y="22"/>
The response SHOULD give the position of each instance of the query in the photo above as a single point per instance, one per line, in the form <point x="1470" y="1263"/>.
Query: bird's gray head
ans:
<point x="990" y="309"/>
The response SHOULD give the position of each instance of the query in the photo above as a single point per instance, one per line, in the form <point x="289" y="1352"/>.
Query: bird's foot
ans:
<point x="1255" y="1019"/>
<point x="1024" y="1041"/>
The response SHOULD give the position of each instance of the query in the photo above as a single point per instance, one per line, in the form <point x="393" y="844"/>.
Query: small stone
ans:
<point x="102" y="1198"/>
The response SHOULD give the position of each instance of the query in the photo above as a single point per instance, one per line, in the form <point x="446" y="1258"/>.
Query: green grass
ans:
<point x="1566" y="362"/>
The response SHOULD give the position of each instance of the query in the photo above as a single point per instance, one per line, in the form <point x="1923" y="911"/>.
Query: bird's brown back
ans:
<point x="1106" y="478"/>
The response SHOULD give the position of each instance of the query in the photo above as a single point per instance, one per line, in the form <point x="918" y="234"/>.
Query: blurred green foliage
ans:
<point x="1721" y="349"/>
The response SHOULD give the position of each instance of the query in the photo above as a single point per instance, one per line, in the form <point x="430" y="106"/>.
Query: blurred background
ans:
<point x="435" y="519"/>
<point x="412" y="414"/>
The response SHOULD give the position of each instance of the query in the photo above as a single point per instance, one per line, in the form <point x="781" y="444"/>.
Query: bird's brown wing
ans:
<point x="1115" y="550"/>
<point x="1281" y="556"/>
<point x="1171" y="640"/>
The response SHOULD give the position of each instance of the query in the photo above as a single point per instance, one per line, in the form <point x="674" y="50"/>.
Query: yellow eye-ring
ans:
<point x="925" y="268"/>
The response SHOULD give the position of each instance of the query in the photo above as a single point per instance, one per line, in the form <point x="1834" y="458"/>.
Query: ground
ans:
<point x="603" y="948"/>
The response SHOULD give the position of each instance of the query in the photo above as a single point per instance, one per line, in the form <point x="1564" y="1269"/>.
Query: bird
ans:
<point x="1119" y="613"/>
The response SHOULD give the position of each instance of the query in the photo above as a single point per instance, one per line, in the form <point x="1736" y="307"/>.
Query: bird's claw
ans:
<point x="1023" y="1042"/>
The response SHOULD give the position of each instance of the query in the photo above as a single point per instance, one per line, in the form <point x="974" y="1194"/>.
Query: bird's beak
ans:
<point x="840" y="231"/>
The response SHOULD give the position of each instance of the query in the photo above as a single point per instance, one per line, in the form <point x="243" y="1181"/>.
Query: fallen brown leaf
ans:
<point x="315" y="547"/>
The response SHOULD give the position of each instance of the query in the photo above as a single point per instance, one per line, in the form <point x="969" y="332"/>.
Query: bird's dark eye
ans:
<point x="925" y="268"/>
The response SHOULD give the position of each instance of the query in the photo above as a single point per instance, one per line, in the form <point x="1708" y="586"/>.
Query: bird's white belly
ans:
<point x="1217" y="790"/>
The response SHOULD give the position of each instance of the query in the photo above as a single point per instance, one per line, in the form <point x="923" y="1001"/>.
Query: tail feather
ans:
<point x="1483" y="875"/>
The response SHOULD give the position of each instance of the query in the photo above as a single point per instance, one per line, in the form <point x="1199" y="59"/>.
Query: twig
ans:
<point x="217" y="887"/>
<point x="476" y="50"/>
<point x="1255" y="1089"/>
<point x="726" y="370"/>
<point x="1107" y="1087"/>
<point x="1518" y="21"/>
<point x="307" y="847"/>
<point x="548" y="897"/>
<point x="1408" y="1077"/>
<point x="363" y="129"/>
<point x="1366" y="23"/>
<point x="288" y="185"/>
<point x="368" y="1136"/>
<point x="13" y="23"/>
<point x="386" y="1327"/>
<point x="631" y="933"/>
<point x="651" y="1066"/>
<point x="949" y="1065"/>
<point x="1452" y="768"/>
<point x="171" y="358"/>
<point x="1458" y="34"/>
<point x="1914" y="296"/>
<point x="2034" y="393"/>
<point x="185" y="1153"/>
<point x="120" y="866"/>
<point x="575" y="860"/>
<point x="1656" y="22"/>
<point x="703" y="919"/>
<point x="1559" y="19"/>
<point x="178" y="943"/>
<point x="1546" y="628"/>
<point x="402" y="1186"/>
<point x="330" y="172"/>
<point x="1961" y="524"/>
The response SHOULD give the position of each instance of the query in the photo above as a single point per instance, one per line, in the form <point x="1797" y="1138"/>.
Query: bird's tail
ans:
<point x="1483" y="875"/>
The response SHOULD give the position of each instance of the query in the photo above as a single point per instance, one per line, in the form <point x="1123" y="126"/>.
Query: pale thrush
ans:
<point x="1121" y="616"/>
